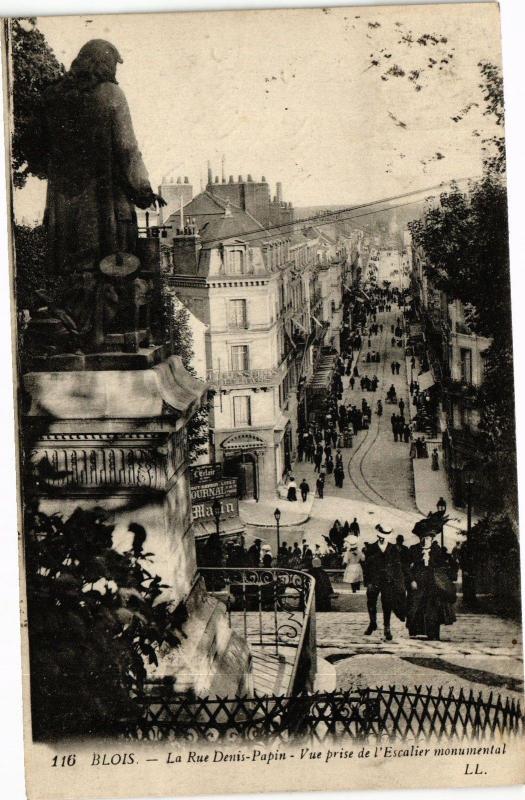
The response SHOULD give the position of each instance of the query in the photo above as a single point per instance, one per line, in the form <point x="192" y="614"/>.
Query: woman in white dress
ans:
<point x="292" y="490"/>
<point x="352" y="559"/>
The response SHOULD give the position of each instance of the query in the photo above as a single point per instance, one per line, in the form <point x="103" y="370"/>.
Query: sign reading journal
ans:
<point x="208" y="485"/>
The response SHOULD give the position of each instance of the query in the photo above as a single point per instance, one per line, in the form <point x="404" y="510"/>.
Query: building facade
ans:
<point x="263" y="304"/>
<point x="455" y="357"/>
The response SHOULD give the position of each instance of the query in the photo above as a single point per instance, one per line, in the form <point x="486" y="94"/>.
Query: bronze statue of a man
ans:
<point x="96" y="177"/>
<point x="94" y="169"/>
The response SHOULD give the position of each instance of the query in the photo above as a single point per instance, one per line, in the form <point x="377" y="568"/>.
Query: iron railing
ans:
<point x="274" y="610"/>
<point x="369" y="715"/>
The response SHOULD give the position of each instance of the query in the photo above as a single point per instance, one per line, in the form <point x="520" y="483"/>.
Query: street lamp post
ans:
<point x="469" y="483"/>
<point x="442" y="507"/>
<point x="470" y="593"/>
<point x="216" y="509"/>
<point x="277" y="515"/>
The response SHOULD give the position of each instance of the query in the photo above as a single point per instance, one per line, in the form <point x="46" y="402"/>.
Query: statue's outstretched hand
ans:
<point x="159" y="200"/>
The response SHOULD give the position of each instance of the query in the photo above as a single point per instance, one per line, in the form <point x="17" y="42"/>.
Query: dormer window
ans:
<point x="235" y="261"/>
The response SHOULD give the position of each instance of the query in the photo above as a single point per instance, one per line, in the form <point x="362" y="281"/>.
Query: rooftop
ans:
<point x="217" y="220"/>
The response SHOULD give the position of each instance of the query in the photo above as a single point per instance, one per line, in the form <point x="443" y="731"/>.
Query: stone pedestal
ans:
<point x="116" y="439"/>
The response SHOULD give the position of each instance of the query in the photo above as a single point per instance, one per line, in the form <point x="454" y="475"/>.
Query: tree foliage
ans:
<point x="95" y="620"/>
<point x="31" y="259"/>
<point x="498" y="558"/>
<point x="492" y="87"/>
<point x="465" y="242"/>
<point x="35" y="68"/>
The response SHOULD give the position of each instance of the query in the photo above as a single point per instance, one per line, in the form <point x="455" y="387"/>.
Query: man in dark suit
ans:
<point x="403" y="552"/>
<point x="307" y="555"/>
<point x="383" y="575"/>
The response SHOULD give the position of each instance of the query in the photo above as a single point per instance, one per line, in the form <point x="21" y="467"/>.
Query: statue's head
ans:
<point x="96" y="62"/>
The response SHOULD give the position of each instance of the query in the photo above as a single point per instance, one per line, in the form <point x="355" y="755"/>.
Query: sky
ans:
<point x="294" y="96"/>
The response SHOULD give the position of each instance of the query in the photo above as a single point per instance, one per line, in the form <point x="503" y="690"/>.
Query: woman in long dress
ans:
<point x="431" y="592"/>
<point x="292" y="489"/>
<point x="323" y="586"/>
<point x="352" y="559"/>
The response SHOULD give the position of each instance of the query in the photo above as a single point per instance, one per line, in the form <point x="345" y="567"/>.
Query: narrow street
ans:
<point x="379" y="481"/>
<point x="379" y="469"/>
<point x="479" y="652"/>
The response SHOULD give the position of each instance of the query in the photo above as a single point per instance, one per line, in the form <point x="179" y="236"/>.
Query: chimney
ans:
<point x="216" y="179"/>
<point x="186" y="179"/>
<point x="210" y="174"/>
<point x="263" y="179"/>
<point x="186" y="248"/>
<point x="178" y="179"/>
<point x="239" y="179"/>
<point x="249" y="179"/>
<point x="279" y="191"/>
<point x="231" y="179"/>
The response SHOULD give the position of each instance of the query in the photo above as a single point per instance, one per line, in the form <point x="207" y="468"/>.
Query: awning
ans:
<point x="425" y="381"/>
<point x="202" y="528"/>
<point x="317" y="321"/>
<point x="364" y="293"/>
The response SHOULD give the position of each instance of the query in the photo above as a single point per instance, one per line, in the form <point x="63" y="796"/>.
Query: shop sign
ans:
<point x="204" y="510"/>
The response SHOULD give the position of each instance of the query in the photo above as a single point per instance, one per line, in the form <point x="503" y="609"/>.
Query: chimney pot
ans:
<point x="239" y="179"/>
<point x="263" y="179"/>
<point x="186" y="179"/>
<point x="249" y="178"/>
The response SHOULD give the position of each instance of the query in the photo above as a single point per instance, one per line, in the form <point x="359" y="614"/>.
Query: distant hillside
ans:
<point x="389" y="218"/>
<point x="303" y="212"/>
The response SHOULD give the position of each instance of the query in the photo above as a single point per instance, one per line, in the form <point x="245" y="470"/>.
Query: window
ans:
<point x="240" y="357"/>
<point x="238" y="317"/>
<point x="241" y="411"/>
<point x="466" y="364"/>
<point x="235" y="262"/>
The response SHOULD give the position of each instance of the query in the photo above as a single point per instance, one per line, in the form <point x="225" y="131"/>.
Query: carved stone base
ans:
<point x="117" y="440"/>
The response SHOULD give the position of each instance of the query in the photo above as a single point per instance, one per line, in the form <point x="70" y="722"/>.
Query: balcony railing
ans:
<point x="243" y="377"/>
<point x="274" y="611"/>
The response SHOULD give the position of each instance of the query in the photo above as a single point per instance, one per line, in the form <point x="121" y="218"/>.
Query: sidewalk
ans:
<point x="261" y="514"/>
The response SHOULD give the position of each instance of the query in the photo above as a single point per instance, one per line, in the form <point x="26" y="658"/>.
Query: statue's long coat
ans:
<point x="95" y="177"/>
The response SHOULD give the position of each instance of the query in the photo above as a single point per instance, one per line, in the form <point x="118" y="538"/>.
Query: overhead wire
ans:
<point x="329" y="217"/>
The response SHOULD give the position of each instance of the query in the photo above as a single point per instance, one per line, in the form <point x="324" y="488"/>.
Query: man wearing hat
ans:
<point x="254" y="553"/>
<point x="383" y="575"/>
